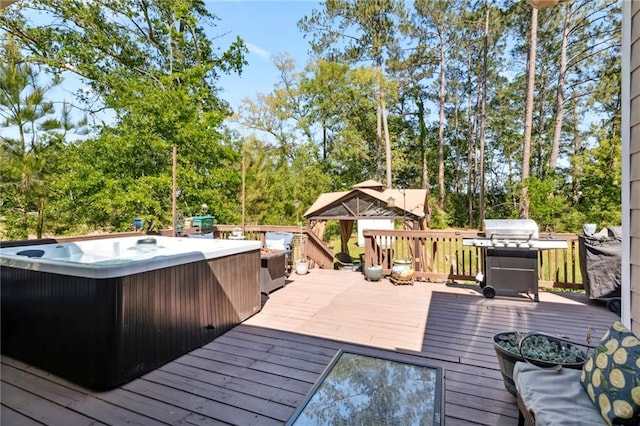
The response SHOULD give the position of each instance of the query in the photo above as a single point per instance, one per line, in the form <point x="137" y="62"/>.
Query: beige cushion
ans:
<point x="555" y="397"/>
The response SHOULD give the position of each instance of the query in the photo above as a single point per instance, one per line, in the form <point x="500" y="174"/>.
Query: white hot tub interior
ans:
<point x="103" y="257"/>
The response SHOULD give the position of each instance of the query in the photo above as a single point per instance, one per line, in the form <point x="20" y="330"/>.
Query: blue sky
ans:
<point x="268" y="28"/>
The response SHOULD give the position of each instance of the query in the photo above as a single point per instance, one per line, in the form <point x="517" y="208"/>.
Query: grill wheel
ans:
<point x="489" y="292"/>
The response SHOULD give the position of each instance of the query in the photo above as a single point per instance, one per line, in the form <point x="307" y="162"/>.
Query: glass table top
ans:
<point x="359" y="389"/>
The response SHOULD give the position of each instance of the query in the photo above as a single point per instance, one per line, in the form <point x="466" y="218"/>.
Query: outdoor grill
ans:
<point x="510" y="255"/>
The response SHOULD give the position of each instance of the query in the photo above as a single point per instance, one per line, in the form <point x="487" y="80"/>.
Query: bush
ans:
<point x="331" y="231"/>
<point x="439" y="219"/>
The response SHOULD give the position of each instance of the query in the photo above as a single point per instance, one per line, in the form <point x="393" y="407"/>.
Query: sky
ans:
<point x="268" y="28"/>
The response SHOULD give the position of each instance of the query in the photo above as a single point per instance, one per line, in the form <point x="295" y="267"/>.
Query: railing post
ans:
<point x="368" y="251"/>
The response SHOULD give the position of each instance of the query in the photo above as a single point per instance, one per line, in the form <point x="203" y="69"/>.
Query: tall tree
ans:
<point x="152" y="64"/>
<point x="557" y="128"/>
<point x="528" y="114"/>
<point x="33" y="136"/>
<point x="483" y="111"/>
<point x="436" y="27"/>
<point x="273" y="187"/>
<point x="110" y="43"/>
<point x="328" y="104"/>
<point x="355" y="31"/>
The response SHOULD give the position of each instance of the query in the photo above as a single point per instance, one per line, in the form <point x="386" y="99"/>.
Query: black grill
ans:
<point x="510" y="255"/>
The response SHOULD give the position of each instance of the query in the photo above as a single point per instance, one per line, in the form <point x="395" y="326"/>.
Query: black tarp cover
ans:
<point x="601" y="263"/>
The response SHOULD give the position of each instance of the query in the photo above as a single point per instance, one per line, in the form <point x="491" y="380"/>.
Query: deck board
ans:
<point x="75" y="400"/>
<point x="39" y="408"/>
<point x="258" y="372"/>
<point x="11" y="417"/>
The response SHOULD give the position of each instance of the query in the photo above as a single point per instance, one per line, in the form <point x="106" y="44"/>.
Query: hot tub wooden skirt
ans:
<point x="101" y="333"/>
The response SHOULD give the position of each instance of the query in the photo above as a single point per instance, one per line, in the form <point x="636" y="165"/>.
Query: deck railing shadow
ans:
<point x="259" y="371"/>
<point x="460" y="329"/>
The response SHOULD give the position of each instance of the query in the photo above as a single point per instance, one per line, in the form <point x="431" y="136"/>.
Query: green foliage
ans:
<point x="31" y="158"/>
<point x="458" y="211"/>
<point x="274" y="183"/>
<point x="362" y="30"/>
<point x="151" y="66"/>
<point x="573" y="220"/>
<point x="439" y="219"/>
<point x="341" y="99"/>
<point x="601" y="184"/>
<point x="332" y="232"/>
<point x="542" y="348"/>
<point x="548" y="207"/>
<point x="97" y="195"/>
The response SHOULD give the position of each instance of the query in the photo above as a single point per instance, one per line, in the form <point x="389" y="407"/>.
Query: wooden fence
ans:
<point x="440" y="255"/>
<point x="435" y="255"/>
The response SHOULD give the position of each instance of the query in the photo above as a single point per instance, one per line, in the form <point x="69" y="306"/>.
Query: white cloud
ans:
<point x="258" y="51"/>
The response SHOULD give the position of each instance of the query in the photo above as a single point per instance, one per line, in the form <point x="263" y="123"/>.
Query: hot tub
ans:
<point x="103" y="312"/>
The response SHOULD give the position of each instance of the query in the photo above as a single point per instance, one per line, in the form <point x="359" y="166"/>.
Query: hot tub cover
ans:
<point x="601" y="264"/>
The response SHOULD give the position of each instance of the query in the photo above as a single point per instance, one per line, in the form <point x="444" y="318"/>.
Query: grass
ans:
<point x="354" y="249"/>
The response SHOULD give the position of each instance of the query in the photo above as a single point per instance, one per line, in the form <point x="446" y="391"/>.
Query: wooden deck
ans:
<point x="257" y="373"/>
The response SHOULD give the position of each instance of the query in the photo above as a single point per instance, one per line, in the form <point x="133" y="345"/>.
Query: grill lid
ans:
<point x="513" y="233"/>
<point x="512" y="229"/>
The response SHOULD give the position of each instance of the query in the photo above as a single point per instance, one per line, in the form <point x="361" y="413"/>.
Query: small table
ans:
<point x="374" y="388"/>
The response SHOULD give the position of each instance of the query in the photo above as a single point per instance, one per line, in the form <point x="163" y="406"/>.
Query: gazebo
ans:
<point x="367" y="202"/>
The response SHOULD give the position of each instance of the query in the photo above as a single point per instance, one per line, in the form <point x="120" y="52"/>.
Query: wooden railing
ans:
<point x="314" y="248"/>
<point x="435" y="255"/>
<point x="251" y="232"/>
<point x="317" y="251"/>
<point x="440" y="255"/>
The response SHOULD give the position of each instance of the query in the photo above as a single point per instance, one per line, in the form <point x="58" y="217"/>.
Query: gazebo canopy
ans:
<point x="366" y="200"/>
<point x="369" y="200"/>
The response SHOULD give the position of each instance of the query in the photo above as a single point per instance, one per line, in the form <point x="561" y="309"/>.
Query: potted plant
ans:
<point x="541" y="349"/>
<point x="402" y="270"/>
<point x="302" y="266"/>
<point x="373" y="273"/>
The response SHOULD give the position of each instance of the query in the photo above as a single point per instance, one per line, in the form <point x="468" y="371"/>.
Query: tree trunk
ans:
<point x="470" y="148"/>
<point x="423" y="143"/>
<point x="575" y="157"/>
<point x="387" y="143"/>
<point x="379" y="137"/>
<point x="557" y="129"/>
<point x="539" y="159"/>
<point x="382" y="123"/>
<point x="441" y="129"/>
<point x="324" y="140"/>
<point x="528" y="119"/>
<point x="41" y="215"/>
<point x="458" y="161"/>
<point x="483" y="113"/>
<point x="425" y="167"/>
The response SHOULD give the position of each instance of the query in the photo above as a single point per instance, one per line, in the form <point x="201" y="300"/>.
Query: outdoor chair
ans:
<point x="280" y="241"/>
<point x="344" y="261"/>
